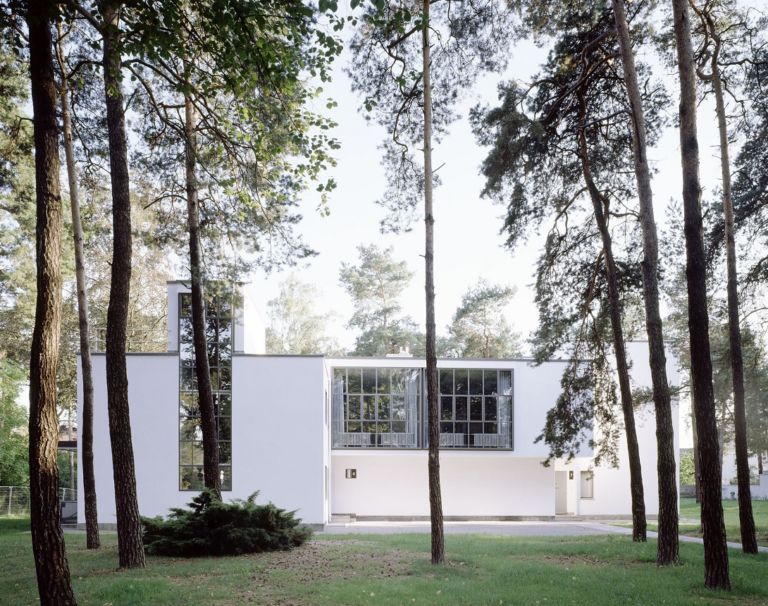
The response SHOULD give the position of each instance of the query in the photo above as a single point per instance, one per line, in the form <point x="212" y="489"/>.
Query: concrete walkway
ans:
<point x="510" y="529"/>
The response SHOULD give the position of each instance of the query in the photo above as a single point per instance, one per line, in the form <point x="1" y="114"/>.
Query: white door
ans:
<point x="561" y="492"/>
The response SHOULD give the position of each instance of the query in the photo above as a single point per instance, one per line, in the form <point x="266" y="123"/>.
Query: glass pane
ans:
<point x="505" y="405"/>
<point x="224" y="306"/>
<point x="369" y="380"/>
<point x="188" y="404"/>
<point x="397" y="380"/>
<point x="185" y="332"/>
<point x="189" y="429"/>
<point x="461" y="408"/>
<point x="214" y="378"/>
<point x="475" y="428"/>
<point x="226" y="478"/>
<point x="353" y="407"/>
<point x="490" y="409"/>
<point x="188" y="378"/>
<point x="383" y="427"/>
<point x="191" y="478"/>
<point x="505" y="382"/>
<point x="225" y="334"/>
<point x="491" y="428"/>
<point x="398" y="427"/>
<point x="369" y="427"/>
<point x="225" y="428"/>
<point x="382" y="380"/>
<point x="223" y="404"/>
<point x="490" y="382"/>
<point x="460" y="428"/>
<point x="197" y="453"/>
<point x="185" y="453"/>
<point x="446" y="408"/>
<point x="446" y="427"/>
<point x="446" y="382"/>
<point x="339" y="374"/>
<point x="398" y="407"/>
<point x="225" y="379"/>
<point x="475" y="382"/>
<point x="383" y="407"/>
<point x="225" y="453"/>
<point x="476" y="408"/>
<point x="354" y="427"/>
<point x="461" y="381"/>
<point x="225" y="352"/>
<point x="353" y="380"/>
<point x="185" y="305"/>
<point x="369" y="407"/>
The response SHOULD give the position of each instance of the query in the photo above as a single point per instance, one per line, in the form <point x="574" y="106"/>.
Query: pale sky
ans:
<point x="468" y="244"/>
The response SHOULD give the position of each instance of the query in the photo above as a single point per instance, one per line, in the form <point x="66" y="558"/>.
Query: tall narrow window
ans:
<point x="219" y="337"/>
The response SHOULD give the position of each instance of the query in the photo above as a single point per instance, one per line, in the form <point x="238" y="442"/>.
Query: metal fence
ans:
<point x="14" y="500"/>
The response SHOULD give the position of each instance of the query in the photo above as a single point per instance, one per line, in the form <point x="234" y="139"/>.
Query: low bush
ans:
<point x="214" y="528"/>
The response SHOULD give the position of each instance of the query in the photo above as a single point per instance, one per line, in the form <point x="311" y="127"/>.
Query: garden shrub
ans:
<point x="214" y="528"/>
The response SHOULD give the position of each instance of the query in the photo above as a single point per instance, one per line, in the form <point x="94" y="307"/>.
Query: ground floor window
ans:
<point x="587" y="485"/>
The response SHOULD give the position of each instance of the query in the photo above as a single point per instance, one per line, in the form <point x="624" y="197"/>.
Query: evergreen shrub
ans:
<point x="214" y="528"/>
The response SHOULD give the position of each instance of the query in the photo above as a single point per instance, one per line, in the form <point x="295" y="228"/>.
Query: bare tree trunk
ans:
<point x="696" y="467"/>
<point x="212" y="479"/>
<point x="435" y="498"/>
<point x="639" y="525"/>
<point x="53" y="580"/>
<point x="715" y="548"/>
<point x="86" y="447"/>
<point x="129" y="539"/>
<point x="668" y="543"/>
<point x="746" y="520"/>
<point x="760" y="463"/>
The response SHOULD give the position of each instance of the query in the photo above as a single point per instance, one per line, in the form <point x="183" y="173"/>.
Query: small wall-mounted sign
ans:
<point x="350" y="474"/>
<point x="570" y="475"/>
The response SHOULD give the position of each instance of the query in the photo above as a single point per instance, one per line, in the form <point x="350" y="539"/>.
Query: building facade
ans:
<point x="346" y="437"/>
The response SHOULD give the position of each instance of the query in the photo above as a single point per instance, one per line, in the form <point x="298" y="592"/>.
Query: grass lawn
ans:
<point x="690" y="510"/>
<point x="394" y="569"/>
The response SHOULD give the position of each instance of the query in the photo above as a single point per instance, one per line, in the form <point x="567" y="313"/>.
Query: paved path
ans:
<point x="512" y="529"/>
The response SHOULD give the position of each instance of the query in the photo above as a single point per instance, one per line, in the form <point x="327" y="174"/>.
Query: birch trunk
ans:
<point x="435" y="499"/>
<point x="668" y="543"/>
<point x="53" y="579"/>
<point x="713" y="527"/>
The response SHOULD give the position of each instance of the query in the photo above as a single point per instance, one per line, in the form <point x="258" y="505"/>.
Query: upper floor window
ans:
<point x="475" y="408"/>
<point x="385" y="407"/>
<point x="376" y="407"/>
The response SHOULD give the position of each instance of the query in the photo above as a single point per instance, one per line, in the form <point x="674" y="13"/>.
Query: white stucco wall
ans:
<point x="277" y="434"/>
<point x="278" y="427"/>
<point x="394" y="483"/>
<point x="153" y="394"/>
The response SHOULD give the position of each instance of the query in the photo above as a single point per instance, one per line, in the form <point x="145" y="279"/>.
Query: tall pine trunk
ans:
<point x="129" y="539"/>
<point x="211" y="476"/>
<point x="86" y="447"/>
<point x="746" y="520"/>
<point x="53" y="580"/>
<point x="639" y="525"/>
<point x="667" y="551"/>
<point x="435" y="498"/>
<point x="713" y="527"/>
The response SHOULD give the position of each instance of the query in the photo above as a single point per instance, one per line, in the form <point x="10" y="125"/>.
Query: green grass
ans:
<point x="394" y="569"/>
<point x="690" y="510"/>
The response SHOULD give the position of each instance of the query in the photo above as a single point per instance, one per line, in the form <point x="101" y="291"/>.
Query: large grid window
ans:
<point x="219" y="338"/>
<point x="376" y="407"/>
<point x="475" y="408"/>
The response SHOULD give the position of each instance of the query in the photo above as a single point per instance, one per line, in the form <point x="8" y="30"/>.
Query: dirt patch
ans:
<point x="570" y="560"/>
<point x="275" y="574"/>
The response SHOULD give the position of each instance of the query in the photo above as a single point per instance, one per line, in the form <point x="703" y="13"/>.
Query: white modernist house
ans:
<point x="346" y="437"/>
